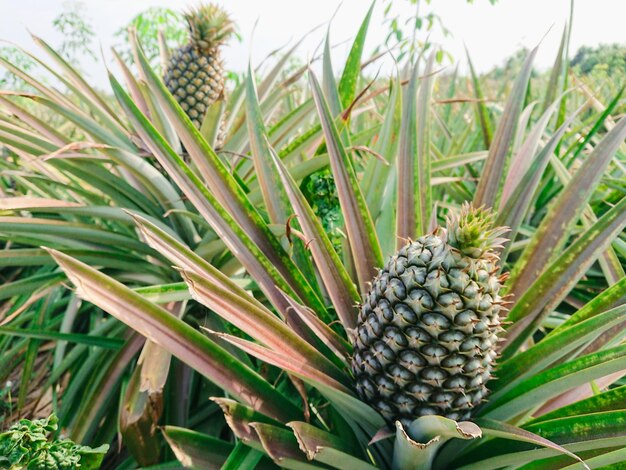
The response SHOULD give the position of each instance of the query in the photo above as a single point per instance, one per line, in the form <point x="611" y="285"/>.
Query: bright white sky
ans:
<point x="491" y="33"/>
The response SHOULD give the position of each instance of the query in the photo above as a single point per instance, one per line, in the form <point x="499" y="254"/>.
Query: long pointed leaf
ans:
<point x="364" y="244"/>
<point x="175" y="336"/>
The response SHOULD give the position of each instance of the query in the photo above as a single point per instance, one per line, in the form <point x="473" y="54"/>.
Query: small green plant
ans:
<point x="78" y="34"/>
<point x="30" y="444"/>
<point x="609" y="57"/>
<point x="321" y="193"/>
<point x="13" y="55"/>
<point x="147" y="24"/>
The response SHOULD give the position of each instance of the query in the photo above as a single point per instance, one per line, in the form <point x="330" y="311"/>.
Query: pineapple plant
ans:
<point x="194" y="73"/>
<point x="263" y="313"/>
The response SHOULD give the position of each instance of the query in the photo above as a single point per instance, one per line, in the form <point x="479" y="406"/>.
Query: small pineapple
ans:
<point x="427" y="330"/>
<point x="194" y="74"/>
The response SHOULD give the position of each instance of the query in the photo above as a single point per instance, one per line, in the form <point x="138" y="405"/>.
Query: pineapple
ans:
<point x="427" y="330"/>
<point x="195" y="75"/>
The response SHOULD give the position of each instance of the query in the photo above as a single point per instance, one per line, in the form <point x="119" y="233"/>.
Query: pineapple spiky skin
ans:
<point x="425" y="342"/>
<point x="195" y="75"/>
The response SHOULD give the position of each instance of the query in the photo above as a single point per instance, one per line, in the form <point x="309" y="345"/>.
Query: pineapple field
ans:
<point x="391" y="262"/>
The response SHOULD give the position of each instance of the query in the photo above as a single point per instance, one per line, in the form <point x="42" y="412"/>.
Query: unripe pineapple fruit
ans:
<point x="425" y="342"/>
<point x="194" y="73"/>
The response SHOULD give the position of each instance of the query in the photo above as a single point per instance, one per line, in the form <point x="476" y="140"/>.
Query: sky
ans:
<point x="490" y="32"/>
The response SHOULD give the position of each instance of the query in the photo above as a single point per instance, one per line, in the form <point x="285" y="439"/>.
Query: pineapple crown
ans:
<point x="472" y="231"/>
<point x="209" y="26"/>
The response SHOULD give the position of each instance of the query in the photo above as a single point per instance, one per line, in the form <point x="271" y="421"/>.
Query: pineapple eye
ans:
<point x="434" y="375"/>
<point x="442" y="398"/>
<point x="472" y="365"/>
<point x="404" y="403"/>
<point x="470" y="344"/>
<point x="399" y="375"/>
<point x="404" y="315"/>
<point x="371" y="364"/>
<point x="420" y="391"/>
<point x="394" y="338"/>
<point x="480" y="327"/>
<point x="434" y="351"/>
<point x="419" y="300"/>
<point x="451" y="337"/>
<point x="396" y="290"/>
<point x="465" y="317"/>
<point x="436" y="320"/>
<point x="381" y="350"/>
<point x="385" y="385"/>
<point x="398" y="265"/>
<point x="413" y="275"/>
<point x="454" y="361"/>
<point x="458" y="382"/>
<point x="411" y="359"/>
<point x="366" y="386"/>
<point x="417" y="336"/>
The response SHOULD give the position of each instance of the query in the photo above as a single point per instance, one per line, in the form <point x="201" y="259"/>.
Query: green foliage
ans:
<point x="410" y="34"/>
<point x="609" y="57"/>
<point x="78" y="34"/>
<point x="148" y="24"/>
<point x="605" y="64"/>
<point x="30" y="444"/>
<point x="321" y="193"/>
<point x="16" y="57"/>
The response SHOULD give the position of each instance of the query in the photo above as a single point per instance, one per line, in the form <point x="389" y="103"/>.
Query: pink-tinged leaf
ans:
<point x="552" y="234"/>
<point x="612" y="297"/>
<point x="350" y="75"/>
<point x="579" y="393"/>
<point x="327" y="448"/>
<point x="196" y="450"/>
<point x="493" y="173"/>
<point x="182" y="256"/>
<point x="522" y="159"/>
<point x="567" y="342"/>
<point x="274" y="195"/>
<point x="356" y="412"/>
<point x="238" y="417"/>
<point x="80" y="86"/>
<point x="336" y="279"/>
<point x="560" y="276"/>
<point x="231" y="197"/>
<point x="364" y="245"/>
<point x="376" y="176"/>
<point x="43" y="128"/>
<point x="276" y="201"/>
<point x="283" y="360"/>
<point x="142" y="405"/>
<point x="536" y="390"/>
<point x="258" y="322"/>
<point x="232" y="234"/>
<point x="175" y="336"/>
<point x="28" y="202"/>
<point x="517" y="202"/>
<point x="281" y="445"/>
<point x="332" y="340"/>
<point x="89" y="413"/>
<point x="414" y="187"/>
<point x="486" y="125"/>
<point x="493" y="428"/>
<point x="132" y="84"/>
<point x="609" y="262"/>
